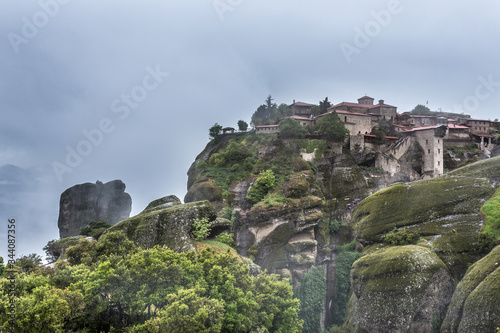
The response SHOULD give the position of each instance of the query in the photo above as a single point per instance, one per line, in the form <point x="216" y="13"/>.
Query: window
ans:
<point x="428" y="151"/>
<point x="426" y="142"/>
<point x="439" y="151"/>
<point x="439" y="163"/>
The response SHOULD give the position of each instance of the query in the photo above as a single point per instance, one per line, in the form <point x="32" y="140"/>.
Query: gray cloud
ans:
<point x="64" y="79"/>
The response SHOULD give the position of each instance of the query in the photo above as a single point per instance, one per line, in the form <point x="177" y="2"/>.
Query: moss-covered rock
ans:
<point x="170" y="227"/>
<point x="298" y="185"/>
<point x="205" y="190"/>
<point x="165" y="202"/>
<point x="398" y="289"/>
<point x="58" y="247"/>
<point x="475" y="306"/>
<point x="445" y="211"/>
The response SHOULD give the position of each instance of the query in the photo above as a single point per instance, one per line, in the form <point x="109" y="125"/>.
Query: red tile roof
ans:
<point x="357" y="105"/>
<point x="301" y="104"/>
<point x="349" y="112"/>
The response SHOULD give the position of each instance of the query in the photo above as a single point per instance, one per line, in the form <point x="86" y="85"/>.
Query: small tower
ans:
<point x="366" y="100"/>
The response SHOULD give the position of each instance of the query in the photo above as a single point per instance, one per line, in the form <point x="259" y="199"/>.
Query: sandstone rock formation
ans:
<point x="81" y="204"/>
<point x="399" y="289"/>
<point x="316" y="216"/>
<point x="166" y="222"/>
<point x="476" y="302"/>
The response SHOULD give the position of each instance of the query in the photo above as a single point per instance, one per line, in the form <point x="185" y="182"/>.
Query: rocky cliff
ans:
<point x="323" y="206"/>
<point x="81" y="204"/>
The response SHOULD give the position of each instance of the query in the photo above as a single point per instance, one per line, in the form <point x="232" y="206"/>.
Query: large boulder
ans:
<point x="166" y="225"/>
<point x="444" y="211"/>
<point x="476" y="302"/>
<point x="398" y="289"/>
<point x="81" y="204"/>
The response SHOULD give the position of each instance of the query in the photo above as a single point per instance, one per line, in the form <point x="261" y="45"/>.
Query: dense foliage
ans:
<point x="265" y="182"/>
<point x="214" y="131"/>
<point x="346" y="256"/>
<point x="110" y="285"/>
<point x="312" y="293"/>
<point x="331" y="127"/>
<point x="291" y="128"/>
<point x="269" y="113"/>
<point x="242" y="125"/>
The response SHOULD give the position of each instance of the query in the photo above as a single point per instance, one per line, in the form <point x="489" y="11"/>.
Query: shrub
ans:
<point x="225" y="238"/>
<point x="404" y="237"/>
<point x="335" y="225"/>
<point x="265" y="182"/>
<point x="201" y="228"/>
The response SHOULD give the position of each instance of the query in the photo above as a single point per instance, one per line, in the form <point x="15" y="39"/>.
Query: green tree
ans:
<point x="291" y="128"/>
<point x="263" y="184"/>
<point x="284" y="110"/>
<point x="214" y="131"/>
<point x="242" y="125"/>
<point x="331" y="127"/>
<point x="188" y="311"/>
<point x="311" y="292"/>
<point x="380" y="137"/>
<point x="266" y="113"/>
<point x="421" y="110"/>
<point x="2" y="267"/>
<point x="29" y="262"/>
<point x="324" y="105"/>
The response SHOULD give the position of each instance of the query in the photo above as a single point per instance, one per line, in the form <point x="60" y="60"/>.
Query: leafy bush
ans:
<point x="225" y="238"/>
<point x="335" y="225"/>
<point x="201" y="228"/>
<point x="265" y="182"/>
<point x="404" y="237"/>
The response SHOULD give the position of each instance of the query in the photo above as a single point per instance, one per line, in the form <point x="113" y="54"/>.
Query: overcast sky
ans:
<point x="132" y="87"/>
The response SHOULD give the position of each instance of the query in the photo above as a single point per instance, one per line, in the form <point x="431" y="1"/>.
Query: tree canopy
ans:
<point x="214" y="131"/>
<point x="242" y="125"/>
<point x="269" y="113"/>
<point x="291" y="128"/>
<point x="113" y="285"/>
<point x="324" y="105"/>
<point x="421" y="110"/>
<point x="332" y="127"/>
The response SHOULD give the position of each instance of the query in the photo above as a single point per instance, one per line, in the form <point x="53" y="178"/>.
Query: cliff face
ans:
<point x="315" y="209"/>
<point x="84" y="203"/>
<point x="396" y="291"/>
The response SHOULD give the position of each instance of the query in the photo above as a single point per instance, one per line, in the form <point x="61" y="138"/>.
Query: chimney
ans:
<point x="380" y="101"/>
<point x="293" y="101"/>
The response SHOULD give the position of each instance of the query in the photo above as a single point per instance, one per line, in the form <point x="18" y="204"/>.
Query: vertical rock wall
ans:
<point x="81" y="204"/>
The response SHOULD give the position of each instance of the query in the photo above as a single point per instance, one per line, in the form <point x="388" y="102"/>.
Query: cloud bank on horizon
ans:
<point x="103" y="90"/>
